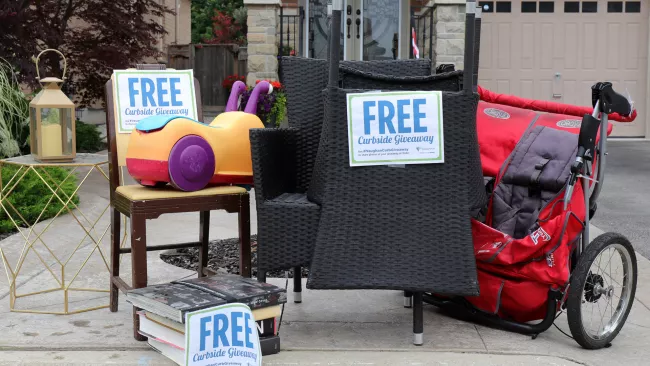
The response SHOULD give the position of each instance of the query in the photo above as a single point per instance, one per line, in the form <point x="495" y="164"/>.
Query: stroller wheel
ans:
<point x="601" y="292"/>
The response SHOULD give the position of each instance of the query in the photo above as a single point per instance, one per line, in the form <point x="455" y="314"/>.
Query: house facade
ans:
<point x="547" y="50"/>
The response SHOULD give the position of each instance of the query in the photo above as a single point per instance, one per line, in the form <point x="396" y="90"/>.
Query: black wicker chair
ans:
<point x="406" y="228"/>
<point x="357" y="242"/>
<point x="362" y="244"/>
<point x="354" y="78"/>
<point x="283" y="161"/>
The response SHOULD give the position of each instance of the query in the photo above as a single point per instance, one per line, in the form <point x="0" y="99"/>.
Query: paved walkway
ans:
<point x="329" y="327"/>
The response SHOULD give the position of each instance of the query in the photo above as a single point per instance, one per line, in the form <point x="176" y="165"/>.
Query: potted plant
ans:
<point x="271" y="108"/>
<point x="227" y="84"/>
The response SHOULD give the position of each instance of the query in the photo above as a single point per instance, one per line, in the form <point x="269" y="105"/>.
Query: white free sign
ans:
<point x="404" y="127"/>
<point x="222" y="335"/>
<point x="139" y="94"/>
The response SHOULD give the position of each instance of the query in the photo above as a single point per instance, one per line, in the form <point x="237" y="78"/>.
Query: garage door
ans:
<point x="555" y="50"/>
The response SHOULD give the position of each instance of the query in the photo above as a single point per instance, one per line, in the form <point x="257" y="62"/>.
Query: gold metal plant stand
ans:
<point x="23" y="165"/>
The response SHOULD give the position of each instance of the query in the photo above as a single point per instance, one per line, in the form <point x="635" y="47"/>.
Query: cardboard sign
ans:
<point x="393" y="128"/>
<point x="222" y="335"/>
<point x="139" y="94"/>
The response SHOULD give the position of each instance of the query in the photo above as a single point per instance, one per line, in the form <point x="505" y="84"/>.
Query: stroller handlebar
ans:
<point x="615" y="113"/>
<point x="610" y="101"/>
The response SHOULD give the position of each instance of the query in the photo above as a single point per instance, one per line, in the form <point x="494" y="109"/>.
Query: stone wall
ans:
<point x="262" y="39"/>
<point x="449" y="37"/>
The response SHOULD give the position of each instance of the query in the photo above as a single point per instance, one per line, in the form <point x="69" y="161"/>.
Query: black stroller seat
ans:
<point x="538" y="170"/>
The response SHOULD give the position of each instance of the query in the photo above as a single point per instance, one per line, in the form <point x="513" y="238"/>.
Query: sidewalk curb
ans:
<point x="288" y="357"/>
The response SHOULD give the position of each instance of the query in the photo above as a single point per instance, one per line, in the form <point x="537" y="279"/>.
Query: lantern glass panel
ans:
<point x="33" y="131"/>
<point x="66" y="127"/>
<point x="51" y="132"/>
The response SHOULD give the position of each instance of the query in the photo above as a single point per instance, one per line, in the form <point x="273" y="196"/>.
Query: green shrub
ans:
<point x="88" y="139"/>
<point x="31" y="195"/>
<point x="14" y="114"/>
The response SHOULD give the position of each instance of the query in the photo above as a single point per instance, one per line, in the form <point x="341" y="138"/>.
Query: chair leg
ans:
<point x="245" y="237"/>
<point x="408" y="299"/>
<point x="297" y="285"/>
<point x="115" y="258"/>
<point x="418" y="319"/>
<point x="204" y="238"/>
<point x="261" y="276"/>
<point x="138" y="263"/>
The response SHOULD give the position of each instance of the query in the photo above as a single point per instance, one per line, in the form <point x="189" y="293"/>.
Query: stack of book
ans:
<point x="163" y="308"/>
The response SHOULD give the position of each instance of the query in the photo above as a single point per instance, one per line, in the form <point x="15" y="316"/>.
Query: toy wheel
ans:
<point x="601" y="291"/>
<point x="191" y="163"/>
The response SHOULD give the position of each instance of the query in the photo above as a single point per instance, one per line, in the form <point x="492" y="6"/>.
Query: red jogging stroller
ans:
<point x="544" y="170"/>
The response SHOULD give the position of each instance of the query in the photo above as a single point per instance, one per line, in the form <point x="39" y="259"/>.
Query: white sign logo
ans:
<point x="497" y="113"/>
<point x="389" y="128"/>
<point x="569" y="123"/>
<point x="222" y="335"/>
<point x="140" y="94"/>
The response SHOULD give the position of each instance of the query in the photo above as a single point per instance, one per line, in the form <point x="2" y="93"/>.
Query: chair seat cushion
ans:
<point x="136" y="192"/>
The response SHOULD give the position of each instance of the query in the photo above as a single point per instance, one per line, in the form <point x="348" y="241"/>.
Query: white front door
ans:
<point x="371" y="29"/>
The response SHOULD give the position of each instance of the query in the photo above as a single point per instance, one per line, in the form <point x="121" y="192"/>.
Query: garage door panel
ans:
<point x="558" y="44"/>
<point x="503" y="86"/>
<point x="558" y="56"/>
<point x="527" y="88"/>
<point x="632" y="50"/>
<point x="504" y="50"/>
<point x="589" y="46"/>
<point x="486" y="54"/>
<point x="547" y="46"/>
<point x="528" y="46"/>
<point x="614" y="40"/>
<point x="571" y="87"/>
<point x="571" y="46"/>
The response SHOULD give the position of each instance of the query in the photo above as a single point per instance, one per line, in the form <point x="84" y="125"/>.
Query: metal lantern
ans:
<point x="52" y="120"/>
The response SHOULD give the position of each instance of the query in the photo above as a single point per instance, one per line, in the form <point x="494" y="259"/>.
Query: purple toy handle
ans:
<point x="262" y="87"/>
<point x="238" y="88"/>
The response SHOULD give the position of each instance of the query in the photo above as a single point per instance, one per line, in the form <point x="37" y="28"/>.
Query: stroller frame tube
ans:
<point x="602" y="152"/>
<point x="591" y="194"/>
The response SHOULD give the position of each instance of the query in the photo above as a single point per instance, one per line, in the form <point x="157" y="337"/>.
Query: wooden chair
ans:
<point x="141" y="204"/>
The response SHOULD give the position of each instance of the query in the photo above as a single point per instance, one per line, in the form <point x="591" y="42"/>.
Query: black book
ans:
<point x="270" y="345"/>
<point x="173" y="300"/>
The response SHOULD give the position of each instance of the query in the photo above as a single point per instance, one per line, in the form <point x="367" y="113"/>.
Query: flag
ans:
<point x="416" y="51"/>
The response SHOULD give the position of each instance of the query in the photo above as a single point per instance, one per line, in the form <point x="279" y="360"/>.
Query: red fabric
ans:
<point x="545" y="106"/>
<point x="516" y="274"/>
<point x="500" y="127"/>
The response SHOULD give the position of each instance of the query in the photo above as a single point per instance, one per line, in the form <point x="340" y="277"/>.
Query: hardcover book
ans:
<point x="173" y="333"/>
<point x="173" y="300"/>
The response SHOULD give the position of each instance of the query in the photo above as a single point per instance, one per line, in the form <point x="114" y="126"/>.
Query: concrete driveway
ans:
<point x="624" y="204"/>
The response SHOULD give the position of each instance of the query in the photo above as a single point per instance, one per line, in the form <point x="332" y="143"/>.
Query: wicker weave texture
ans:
<point x="283" y="160"/>
<point x="304" y="80"/>
<point x="354" y="78"/>
<point x="396" y="228"/>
